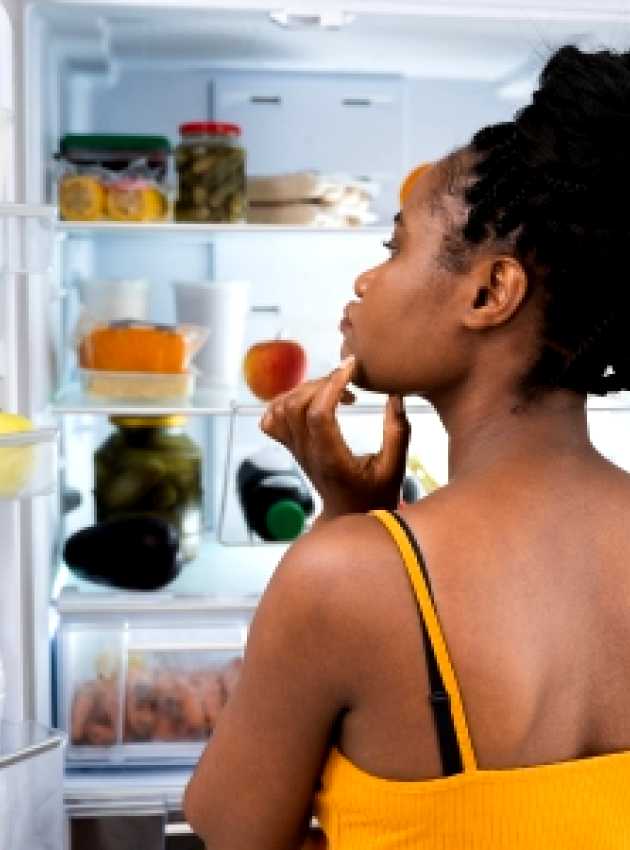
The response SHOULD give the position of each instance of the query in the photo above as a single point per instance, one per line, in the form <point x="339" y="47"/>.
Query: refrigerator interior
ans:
<point x="372" y="97"/>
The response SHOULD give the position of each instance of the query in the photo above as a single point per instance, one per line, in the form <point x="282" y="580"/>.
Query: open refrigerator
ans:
<point x="369" y="89"/>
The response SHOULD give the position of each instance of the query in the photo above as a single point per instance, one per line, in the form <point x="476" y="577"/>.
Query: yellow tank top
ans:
<point x="583" y="804"/>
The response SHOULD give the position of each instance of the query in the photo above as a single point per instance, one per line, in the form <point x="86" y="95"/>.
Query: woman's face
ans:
<point x="403" y="329"/>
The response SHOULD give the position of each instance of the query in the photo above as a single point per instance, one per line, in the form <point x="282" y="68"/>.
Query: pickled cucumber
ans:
<point x="211" y="179"/>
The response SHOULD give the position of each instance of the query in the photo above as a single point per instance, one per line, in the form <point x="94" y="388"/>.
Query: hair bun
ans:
<point x="555" y="181"/>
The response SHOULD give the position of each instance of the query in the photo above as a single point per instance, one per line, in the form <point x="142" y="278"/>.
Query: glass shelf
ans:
<point x="70" y="400"/>
<point x="218" y="573"/>
<point x="207" y="230"/>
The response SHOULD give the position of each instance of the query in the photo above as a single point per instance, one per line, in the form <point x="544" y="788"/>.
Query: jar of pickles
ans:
<point x="150" y="466"/>
<point x="210" y="173"/>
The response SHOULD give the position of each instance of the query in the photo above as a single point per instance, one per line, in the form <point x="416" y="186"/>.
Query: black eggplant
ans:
<point x="132" y="552"/>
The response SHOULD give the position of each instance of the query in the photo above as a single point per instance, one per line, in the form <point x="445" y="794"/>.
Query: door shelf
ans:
<point x="31" y="792"/>
<point x="21" y="742"/>
<point x="28" y="463"/>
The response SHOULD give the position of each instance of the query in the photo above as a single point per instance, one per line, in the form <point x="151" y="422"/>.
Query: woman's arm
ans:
<point x="255" y="782"/>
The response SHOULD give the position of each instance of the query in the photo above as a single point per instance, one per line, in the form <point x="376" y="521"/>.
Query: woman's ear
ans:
<point x="499" y="288"/>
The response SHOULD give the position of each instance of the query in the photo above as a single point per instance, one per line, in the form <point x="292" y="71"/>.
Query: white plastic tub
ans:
<point x="136" y="386"/>
<point x="115" y="299"/>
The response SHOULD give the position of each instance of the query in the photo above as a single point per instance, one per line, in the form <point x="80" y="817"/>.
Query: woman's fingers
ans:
<point x="280" y="420"/>
<point x="307" y="414"/>
<point x="391" y="460"/>
<point x="330" y="393"/>
<point x="321" y="421"/>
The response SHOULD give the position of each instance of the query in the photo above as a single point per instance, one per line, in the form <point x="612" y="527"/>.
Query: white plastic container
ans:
<point x="116" y="299"/>
<point x="137" y="387"/>
<point x="221" y="307"/>
<point x="141" y="685"/>
<point x="28" y="463"/>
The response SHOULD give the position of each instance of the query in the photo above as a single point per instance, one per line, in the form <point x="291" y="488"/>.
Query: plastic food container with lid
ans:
<point x="210" y="173"/>
<point x="143" y="685"/>
<point x="110" y="387"/>
<point x="111" y="176"/>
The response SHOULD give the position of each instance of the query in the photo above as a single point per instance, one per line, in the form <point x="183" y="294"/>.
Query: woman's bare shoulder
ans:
<point x="354" y="559"/>
<point x="340" y="552"/>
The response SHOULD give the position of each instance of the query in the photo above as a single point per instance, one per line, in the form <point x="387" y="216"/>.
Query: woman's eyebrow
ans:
<point x="398" y="219"/>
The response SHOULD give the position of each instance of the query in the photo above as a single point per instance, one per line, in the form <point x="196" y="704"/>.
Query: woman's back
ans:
<point x="531" y="581"/>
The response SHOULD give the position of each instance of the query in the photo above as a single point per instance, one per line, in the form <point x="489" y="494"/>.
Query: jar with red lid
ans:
<point x="210" y="173"/>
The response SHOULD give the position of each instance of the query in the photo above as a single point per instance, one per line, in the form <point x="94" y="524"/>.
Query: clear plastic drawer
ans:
<point x="145" y="686"/>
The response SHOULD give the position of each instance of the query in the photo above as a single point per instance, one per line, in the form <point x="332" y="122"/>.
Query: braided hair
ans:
<point x="556" y="182"/>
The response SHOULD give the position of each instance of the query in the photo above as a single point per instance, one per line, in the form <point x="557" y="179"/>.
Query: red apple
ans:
<point x="273" y="367"/>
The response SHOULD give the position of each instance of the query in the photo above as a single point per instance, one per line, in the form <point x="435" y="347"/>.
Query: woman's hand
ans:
<point x="304" y="421"/>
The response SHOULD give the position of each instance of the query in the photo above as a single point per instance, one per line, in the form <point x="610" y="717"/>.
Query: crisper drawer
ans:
<point x="138" y="685"/>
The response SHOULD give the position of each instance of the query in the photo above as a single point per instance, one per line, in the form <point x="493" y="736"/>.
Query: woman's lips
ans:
<point x="345" y="324"/>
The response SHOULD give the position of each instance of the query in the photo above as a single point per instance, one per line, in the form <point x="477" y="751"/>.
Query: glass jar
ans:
<point x="150" y="466"/>
<point x="210" y="173"/>
<point x="113" y="176"/>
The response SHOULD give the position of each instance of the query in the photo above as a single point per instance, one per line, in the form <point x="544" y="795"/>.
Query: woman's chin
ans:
<point x="360" y="378"/>
<point x="345" y="350"/>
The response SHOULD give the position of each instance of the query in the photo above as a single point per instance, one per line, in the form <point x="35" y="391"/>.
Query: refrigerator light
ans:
<point x="331" y="20"/>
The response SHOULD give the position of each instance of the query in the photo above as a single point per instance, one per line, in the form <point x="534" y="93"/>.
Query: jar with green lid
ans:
<point x="210" y="173"/>
<point x="150" y="466"/>
<point x="112" y="176"/>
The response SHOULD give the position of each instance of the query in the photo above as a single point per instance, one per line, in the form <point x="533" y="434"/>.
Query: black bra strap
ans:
<point x="438" y="696"/>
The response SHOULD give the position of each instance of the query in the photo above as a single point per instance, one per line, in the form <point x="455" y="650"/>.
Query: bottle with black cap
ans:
<point x="274" y="495"/>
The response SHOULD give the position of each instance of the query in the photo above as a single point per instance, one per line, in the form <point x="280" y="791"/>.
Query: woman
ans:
<point x="486" y="702"/>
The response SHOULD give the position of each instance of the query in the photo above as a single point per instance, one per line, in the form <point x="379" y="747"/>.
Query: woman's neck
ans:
<point x="494" y="427"/>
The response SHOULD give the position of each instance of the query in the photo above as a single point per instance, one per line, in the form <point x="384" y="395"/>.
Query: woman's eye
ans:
<point x="391" y="246"/>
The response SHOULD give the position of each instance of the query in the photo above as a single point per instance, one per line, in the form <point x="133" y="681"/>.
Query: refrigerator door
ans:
<point x="26" y="233"/>
<point x="11" y="623"/>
